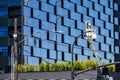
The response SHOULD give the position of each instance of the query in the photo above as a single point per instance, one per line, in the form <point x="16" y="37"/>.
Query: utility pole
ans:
<point x="15" y="50"/>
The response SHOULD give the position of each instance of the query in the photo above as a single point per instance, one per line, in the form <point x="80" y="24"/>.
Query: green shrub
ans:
<point x="42" y="67"/>
<point x="57" y="66"/>
<point x="20" y="68"/>
<point x="62" y="67"/>
<point x="82" y="65"/>
<point x="31" y="68"/>
<point x="47" y="66"/>
<point x="111" y="68"/>
<point x="36" y="68"/>
<point x="52" y="67"/>
<point x="78" y="65"/>
<point x="68" y="66"/>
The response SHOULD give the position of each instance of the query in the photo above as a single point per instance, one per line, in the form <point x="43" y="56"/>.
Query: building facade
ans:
<point x="49" y="28"/>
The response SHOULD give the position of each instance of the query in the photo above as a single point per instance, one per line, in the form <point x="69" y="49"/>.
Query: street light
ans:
<point x="57" y="32"/>
<point x="90" y="34"/>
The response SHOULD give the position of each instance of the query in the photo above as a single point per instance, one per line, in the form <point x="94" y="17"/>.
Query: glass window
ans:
<point x="14" y="2"/>
<point x="48" y="60"/>
<point x="59" y="56"/>
<point x="3" y="12"/>
<point x="87" y="4"/>
<point x="68" y="5"/>
<point x="110" y="56"/>
<point x="68" y="22"/>
<point x="27" y="30"/>
<point x="75" y="32"/>
<point x="88" y="52"/>
<point x="67" y="57"/>
<point x="116" y="35"/>
<point x="59" y="37"/>
<point x="109" y="11"/>
<point x="111" y="19"/>
<point x="43" y="34"/>
<point x="105" y="3"/>
<point x="111" y="3"/>
<point x="105" y="47"/>
<point x="39" y="14"/>
<point x="52" y="36"/>
<point x="100" y="38"/>
<point x="47" y="7"/>
<point x="39" y="33"/>
<point x="116" y="6"/>
<point x="109" y="41"/>
<point x="3" y="51"/>
<point x="52" y="18"/>
<point x="104" y="17"/>
<point x="112" y="48"/>
<point x="93" y="13"/>
<point x="36" y="52"/>
<point x="47" y="26"/>
<point x="116" y="49"/>
<point x="51" y="45"/>
<point x="104" y="32"/>
<point x="31" y="41"/>
<point x="47" y="44"/>
<point x="99" y="23"/>
<point x="116" y="20"/>
<point x="100" y="54"/>
<point x="26" y="50"/>
<point x="43" y="53"/>
<point x="77" y="50"/>
<point x="76" y="1"/>
<point x="33" y="4"/>
<point x="3" y="31"/>
<point x="3" y="3"/>
<point x="71" y="23"/>
<point x="27" y="11"/>
<point x="33" y="60"/>
<point x="32" y="22"/>
<point x="75" y="16"/>
<point x="52" y="54"/>
<point x="81" y="26"/>
<point x="59" y="11"/>
<point x="81" y="10"/>
<point x="96" y="45"/>
<point x="64" y="29"/>
<point x="109" y="26"/>
<point x="87" y="18"/>
<point x="96" y="1"/>
<point x="82" y="57"/>
<point x="98" y="7"/>
<point x="82" y="42"/>
<point x="36" y="42"/>
<point x="68" y="39"/>
<point x="62" y="47"/>
<point x="52" y="1"/>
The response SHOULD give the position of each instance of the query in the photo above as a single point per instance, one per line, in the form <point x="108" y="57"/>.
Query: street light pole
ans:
<point x="15" y="50"/>
<point x="55" y="30"/>
<point x="72" y="70"/>
<point x="90" y="35"/>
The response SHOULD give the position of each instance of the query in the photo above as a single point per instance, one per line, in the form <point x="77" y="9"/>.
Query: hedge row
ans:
<point x="78" y="65"/>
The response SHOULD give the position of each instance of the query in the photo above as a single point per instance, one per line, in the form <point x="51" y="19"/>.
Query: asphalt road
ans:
<point x="61" y="75"/>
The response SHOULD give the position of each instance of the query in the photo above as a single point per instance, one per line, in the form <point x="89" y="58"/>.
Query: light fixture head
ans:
<point x="14" y="35"/>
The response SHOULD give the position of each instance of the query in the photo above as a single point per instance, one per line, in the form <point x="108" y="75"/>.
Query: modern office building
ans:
<point x="49" y="28"/>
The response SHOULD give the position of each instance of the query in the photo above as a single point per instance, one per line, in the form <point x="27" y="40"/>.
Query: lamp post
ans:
<point x="90" y="34"/>
<point x="57" y="32"/>
<point x="14" y="57"/>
